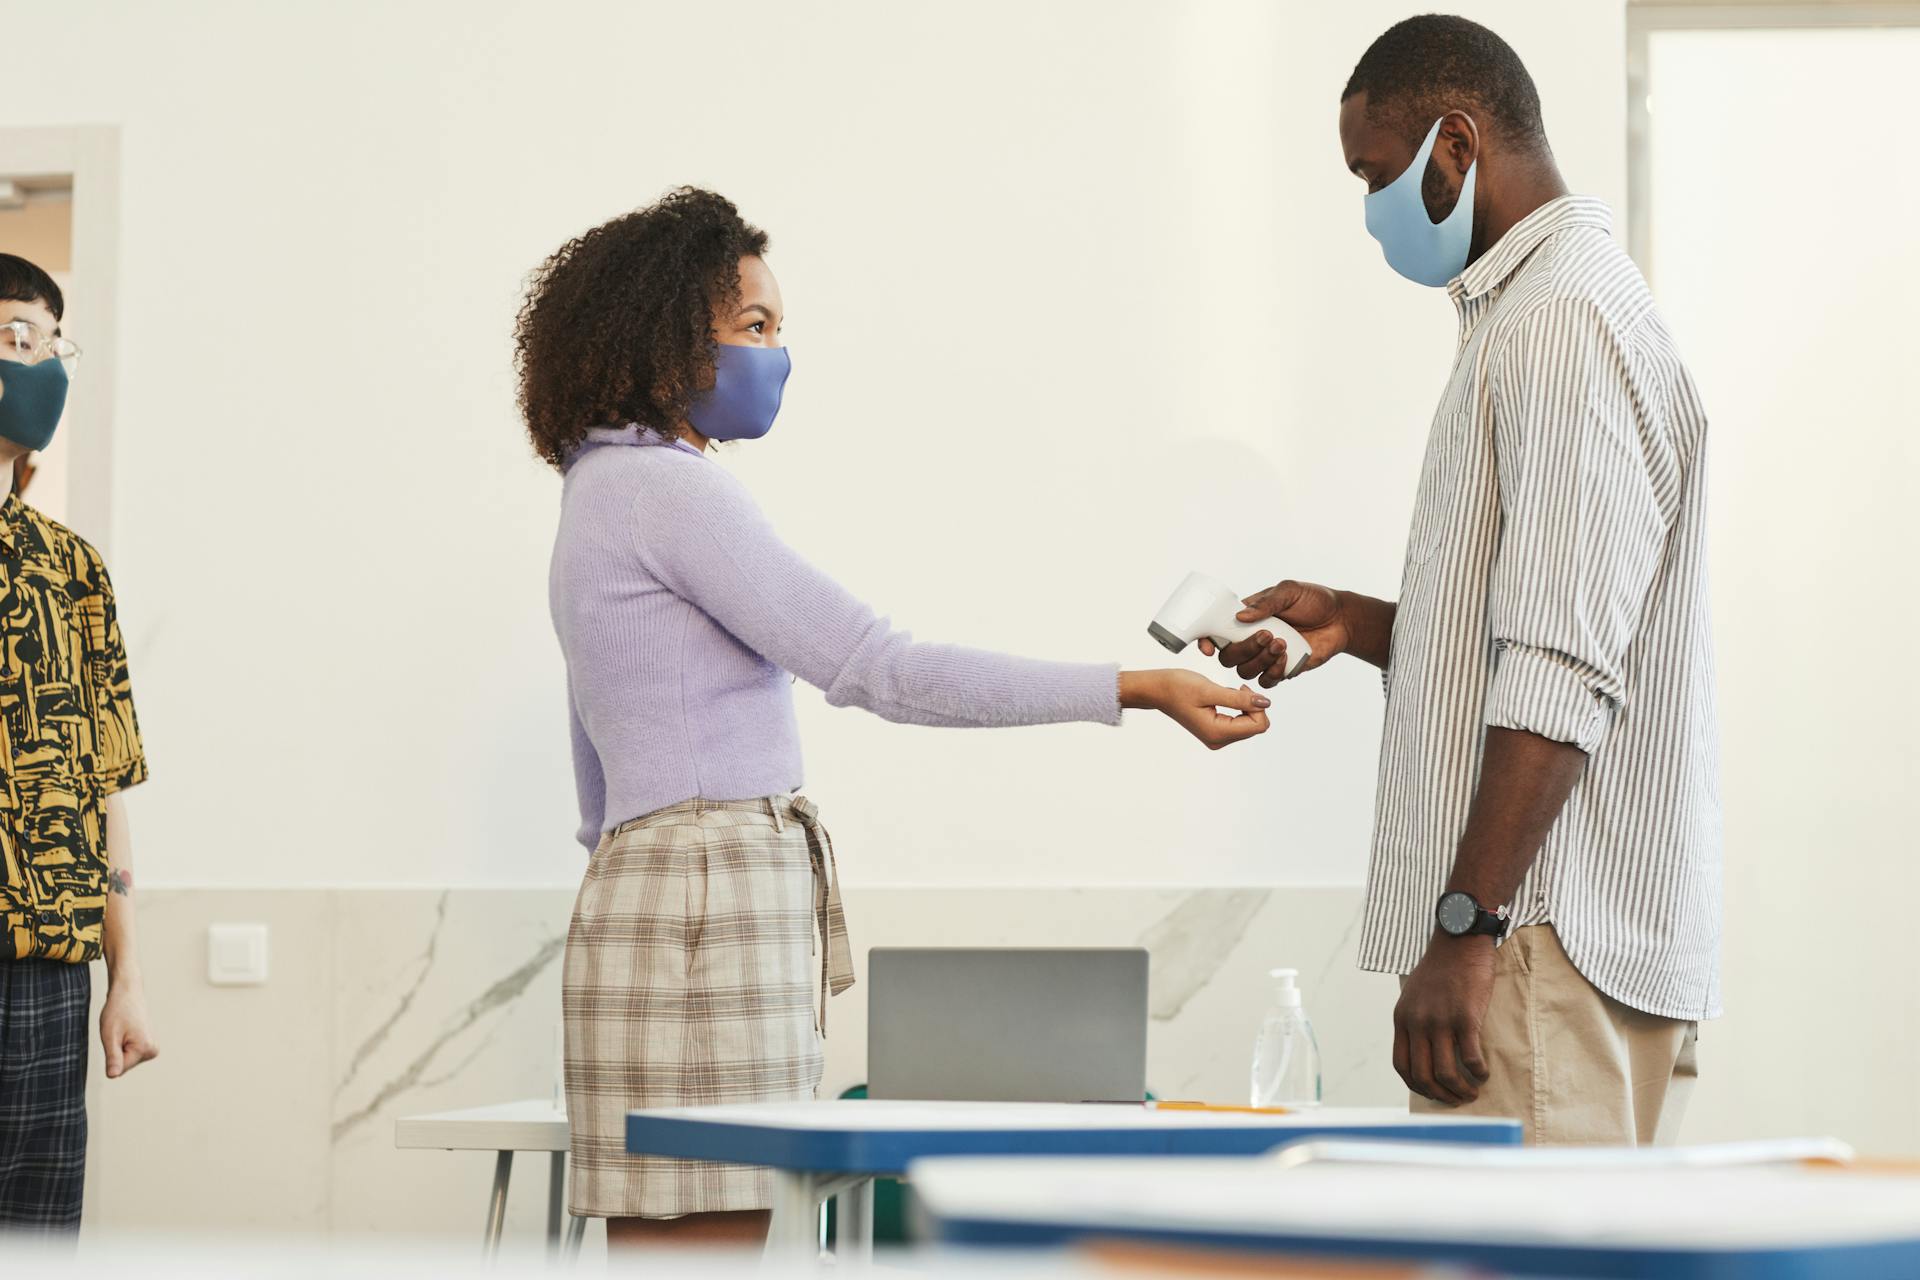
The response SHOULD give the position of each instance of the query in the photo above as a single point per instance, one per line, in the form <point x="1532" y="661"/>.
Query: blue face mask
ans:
<point x="32" y="397"/>
<point x="1422" y="250"/>
<point x="747" y="382"/>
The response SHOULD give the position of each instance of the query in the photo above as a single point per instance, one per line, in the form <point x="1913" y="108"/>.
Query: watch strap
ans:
<point x="1494" y="924"/>
<point x="1491" y="924"/>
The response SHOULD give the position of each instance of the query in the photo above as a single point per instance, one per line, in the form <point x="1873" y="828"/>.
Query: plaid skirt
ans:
<point x="690" y="980"/>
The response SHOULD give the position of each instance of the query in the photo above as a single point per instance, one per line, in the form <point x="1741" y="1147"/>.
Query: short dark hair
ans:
<point x="21" y="281"/>
<point x="1423" y="67"/>
<point x="618" y="324"/>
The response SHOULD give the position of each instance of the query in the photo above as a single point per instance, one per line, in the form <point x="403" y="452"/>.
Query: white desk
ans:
<point x="822" y="1149"/>
<point x="1627" y="1221"/>
<point x="534" y="1124"/>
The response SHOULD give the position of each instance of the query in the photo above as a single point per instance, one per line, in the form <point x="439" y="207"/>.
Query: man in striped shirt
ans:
<point x="1546" y="845"/>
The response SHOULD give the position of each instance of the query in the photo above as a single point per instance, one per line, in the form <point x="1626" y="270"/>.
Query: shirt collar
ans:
<point x="12" y="512"/>
<point x="630" y="434"/>
<point x="1497" y="265"/>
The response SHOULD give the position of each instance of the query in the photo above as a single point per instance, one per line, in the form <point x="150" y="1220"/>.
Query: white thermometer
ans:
<point x="1204" y="607"/>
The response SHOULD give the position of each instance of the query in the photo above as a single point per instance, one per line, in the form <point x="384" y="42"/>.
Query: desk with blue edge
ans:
<point x="1771" y="1223"/>
<point x="823" y="1149"/>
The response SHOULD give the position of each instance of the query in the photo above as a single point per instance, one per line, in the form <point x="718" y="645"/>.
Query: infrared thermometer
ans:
<point x="1202" y="607"/>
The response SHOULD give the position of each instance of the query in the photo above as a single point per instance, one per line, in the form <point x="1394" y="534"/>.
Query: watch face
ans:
<point x="1457" y="912"/>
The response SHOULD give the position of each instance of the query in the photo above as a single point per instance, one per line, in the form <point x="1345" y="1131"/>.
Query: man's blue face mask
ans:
<point x="32" y="397"/>
<point x="1424" y="251"/>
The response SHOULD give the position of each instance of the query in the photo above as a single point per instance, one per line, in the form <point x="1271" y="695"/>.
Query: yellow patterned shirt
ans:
<point x="68" y="737"/>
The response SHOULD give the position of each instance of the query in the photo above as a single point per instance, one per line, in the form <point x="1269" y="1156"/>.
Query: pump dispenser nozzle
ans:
<point x="1286" y="989"/>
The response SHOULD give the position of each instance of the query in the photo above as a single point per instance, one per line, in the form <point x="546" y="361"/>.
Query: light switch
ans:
<point x="236" y="955"/>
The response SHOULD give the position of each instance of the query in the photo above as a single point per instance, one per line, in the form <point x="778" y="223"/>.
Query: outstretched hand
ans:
<point x="1312" y="610"/>
<point x="1196" y="704"/>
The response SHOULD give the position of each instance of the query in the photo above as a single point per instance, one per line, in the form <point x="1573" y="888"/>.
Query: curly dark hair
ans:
<point x="617" y="325"/>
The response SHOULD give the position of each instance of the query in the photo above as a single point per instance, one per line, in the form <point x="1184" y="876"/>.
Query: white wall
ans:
<point x="1080" y="299"/>
<point x="1077" y="290"/>
<point x="1792" y="294"/>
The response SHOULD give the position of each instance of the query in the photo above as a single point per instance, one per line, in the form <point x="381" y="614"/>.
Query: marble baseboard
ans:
<point x="271" y="1108"/>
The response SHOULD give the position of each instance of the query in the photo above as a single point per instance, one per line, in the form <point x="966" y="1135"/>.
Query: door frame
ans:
<point x="1647" y="16"/>
<point x="89" y="157"/>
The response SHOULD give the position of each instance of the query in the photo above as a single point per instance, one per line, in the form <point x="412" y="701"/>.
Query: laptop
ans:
<point x="1007" y="1025"/>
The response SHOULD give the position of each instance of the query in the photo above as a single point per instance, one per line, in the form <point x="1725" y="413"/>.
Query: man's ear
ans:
<point x="1458" y="145"/>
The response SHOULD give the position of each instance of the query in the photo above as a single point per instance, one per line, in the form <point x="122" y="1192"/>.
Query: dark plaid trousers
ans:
<point x="43" y="1094"/>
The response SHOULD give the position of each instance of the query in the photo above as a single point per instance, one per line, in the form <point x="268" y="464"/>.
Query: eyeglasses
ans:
<point x="22" y="340"/>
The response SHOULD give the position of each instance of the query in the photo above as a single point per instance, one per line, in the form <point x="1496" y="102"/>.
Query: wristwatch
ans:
<point x="1461" y="916"/>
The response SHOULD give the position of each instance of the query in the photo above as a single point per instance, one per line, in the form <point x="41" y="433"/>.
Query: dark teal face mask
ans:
<point x="32" y="397"/>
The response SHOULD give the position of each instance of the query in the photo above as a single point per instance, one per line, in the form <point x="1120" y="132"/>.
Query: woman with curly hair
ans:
<point x="689" y="972"/>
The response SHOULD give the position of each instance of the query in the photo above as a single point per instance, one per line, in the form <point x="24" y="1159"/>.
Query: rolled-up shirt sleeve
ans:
<point x="1578" y="457"/>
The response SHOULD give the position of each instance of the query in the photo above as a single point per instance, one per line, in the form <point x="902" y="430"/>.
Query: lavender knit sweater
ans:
<point x="681" y="613"/>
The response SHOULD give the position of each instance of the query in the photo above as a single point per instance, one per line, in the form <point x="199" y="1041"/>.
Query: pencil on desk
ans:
<point x="1214" y="1106"/>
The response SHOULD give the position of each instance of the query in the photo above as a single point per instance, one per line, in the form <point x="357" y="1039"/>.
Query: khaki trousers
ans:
<point x="1576" y="1067"/>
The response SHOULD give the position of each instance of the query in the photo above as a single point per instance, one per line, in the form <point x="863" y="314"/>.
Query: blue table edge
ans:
<point x="890" y="1151"/>
<point x="1862" y="1260"/>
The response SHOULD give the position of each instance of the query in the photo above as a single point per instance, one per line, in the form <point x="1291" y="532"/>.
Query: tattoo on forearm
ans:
<point x="121" y="882"/>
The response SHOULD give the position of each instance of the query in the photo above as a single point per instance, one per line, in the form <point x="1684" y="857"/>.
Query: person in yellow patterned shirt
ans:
<point x="69" y="745"/>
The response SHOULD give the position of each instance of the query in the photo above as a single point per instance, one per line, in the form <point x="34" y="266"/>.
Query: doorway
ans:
<point x="1774" y="211"/>
<point x="62" y="202"/>
<point x="36" y="223"/>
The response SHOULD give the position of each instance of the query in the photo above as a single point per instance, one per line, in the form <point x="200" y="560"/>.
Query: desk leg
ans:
<point x="856" y="1223"/>
<point x="556" y="1192"/>
<point x="497" y="1203"/>
<point x="794" y="1235"/>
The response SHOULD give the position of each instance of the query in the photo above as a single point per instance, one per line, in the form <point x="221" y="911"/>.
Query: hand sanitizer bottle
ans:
<point x="1286" y="1058"/>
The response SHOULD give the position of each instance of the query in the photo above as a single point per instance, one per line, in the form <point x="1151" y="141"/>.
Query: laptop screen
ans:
<point x="1007" y="1025"/>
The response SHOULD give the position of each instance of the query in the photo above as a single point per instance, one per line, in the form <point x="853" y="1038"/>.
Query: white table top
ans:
<point x="175" y="1255"/>
<point x="859" y="1115"/>
<point x="532" y="1124"/>
<point x="1632" y="1207"/>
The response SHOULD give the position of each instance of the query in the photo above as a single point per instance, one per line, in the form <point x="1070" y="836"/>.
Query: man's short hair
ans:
<point x="1423" y="67"/>
<point x="21" y="281"/>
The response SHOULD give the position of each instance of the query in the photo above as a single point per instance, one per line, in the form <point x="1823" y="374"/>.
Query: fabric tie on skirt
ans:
<point x="836" y="952"/>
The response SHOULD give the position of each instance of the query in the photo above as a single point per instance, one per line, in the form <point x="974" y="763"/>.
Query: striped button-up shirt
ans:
<point x="1555" y="582"/>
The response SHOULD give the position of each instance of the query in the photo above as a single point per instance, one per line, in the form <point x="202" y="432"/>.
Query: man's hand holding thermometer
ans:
<point x="1333" y="622"/>
<point x="1277" y="633"/>
<point x="1203" y="609"/>
<point x="1289" y="628"/>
